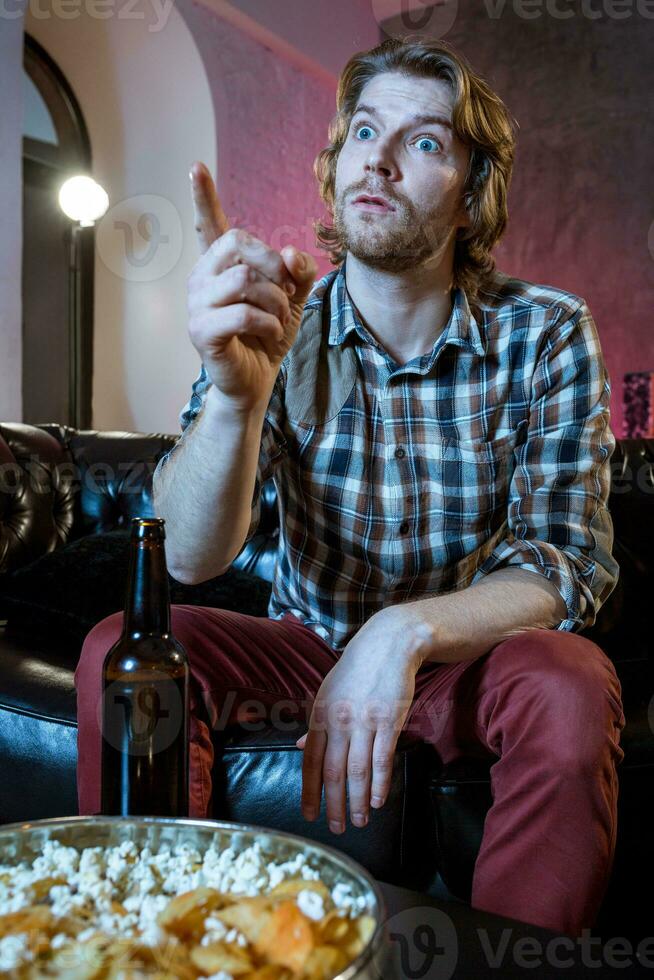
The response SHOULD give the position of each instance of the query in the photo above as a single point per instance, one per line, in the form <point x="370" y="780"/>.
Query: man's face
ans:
<point x="417" y="166"/>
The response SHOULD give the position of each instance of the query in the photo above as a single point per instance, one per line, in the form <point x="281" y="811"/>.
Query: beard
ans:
<point x="404" y="240"/>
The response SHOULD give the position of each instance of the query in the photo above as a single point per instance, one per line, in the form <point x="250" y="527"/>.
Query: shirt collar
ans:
<point x="461" y="330"/>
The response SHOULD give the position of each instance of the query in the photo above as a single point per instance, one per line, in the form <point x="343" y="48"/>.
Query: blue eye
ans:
<point x="420" y="140"/>
<point x="428" y="139"/>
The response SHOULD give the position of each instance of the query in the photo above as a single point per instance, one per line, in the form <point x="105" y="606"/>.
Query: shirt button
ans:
<point x="400" y="452"/>
<point x="404" y="527"/>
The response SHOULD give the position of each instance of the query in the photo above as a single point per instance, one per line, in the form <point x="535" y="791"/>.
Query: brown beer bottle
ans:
<point x="145" y="693"/>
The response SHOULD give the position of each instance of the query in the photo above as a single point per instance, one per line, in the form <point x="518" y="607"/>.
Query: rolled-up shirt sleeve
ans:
<point x="558" y="523"/>
<point x="272" y="447"/>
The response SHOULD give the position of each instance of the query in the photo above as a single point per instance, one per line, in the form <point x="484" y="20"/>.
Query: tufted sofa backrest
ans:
<point x="58" y="484"/>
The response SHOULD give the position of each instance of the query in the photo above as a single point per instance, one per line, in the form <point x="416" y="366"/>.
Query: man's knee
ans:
<point x="566" y="663"/>
<point x="185" y="622"/>
<point x="570" y="685"/>
<point x="97" y="644"/>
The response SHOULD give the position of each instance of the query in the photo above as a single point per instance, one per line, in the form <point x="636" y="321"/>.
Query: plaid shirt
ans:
<point x="488" y="451"/>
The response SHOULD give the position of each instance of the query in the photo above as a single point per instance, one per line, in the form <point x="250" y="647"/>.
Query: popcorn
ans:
<point x="13" y="951"/>
<point x="311" y="904"/>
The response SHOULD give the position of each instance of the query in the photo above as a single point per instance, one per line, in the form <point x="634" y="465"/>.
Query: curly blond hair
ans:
<point x="480" y="120"/>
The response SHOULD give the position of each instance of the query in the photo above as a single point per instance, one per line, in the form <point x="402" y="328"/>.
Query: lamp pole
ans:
<point x="74" y="327"/>
<point x="80" y="324"/>
<point x="84" y="201"/>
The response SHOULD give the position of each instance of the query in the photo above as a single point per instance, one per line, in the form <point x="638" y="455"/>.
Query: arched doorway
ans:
<point x="57" y="285"/>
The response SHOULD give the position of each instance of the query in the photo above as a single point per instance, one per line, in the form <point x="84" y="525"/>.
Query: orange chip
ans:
<point x="184" y="915"/>
<point x="362" y="930"/>
<point x="221" y="956"/>
<point x="33" y="917"/>
<point x="325" y="962"/>
<point x="249" y="915"/>
<point x="293" y="886"/>
<point x="287" y="937"/>
<point x="40" y="889"/>
<point x="271" y="971"/>
<point x="334" y="927"/>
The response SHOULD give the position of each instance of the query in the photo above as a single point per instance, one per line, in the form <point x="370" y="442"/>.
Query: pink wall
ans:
<point x="582" y="199"/>
<point x="11" y="214"/>
<point x="271" y="121"/>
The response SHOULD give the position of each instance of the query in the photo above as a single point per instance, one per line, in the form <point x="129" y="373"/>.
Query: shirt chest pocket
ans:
<point x="465" y="483"/>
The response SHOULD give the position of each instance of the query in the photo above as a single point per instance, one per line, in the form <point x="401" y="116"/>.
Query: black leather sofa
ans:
<point x="66" y="501"/>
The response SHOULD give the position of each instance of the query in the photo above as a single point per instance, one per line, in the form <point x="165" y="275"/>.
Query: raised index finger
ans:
<point x="210" y="219"/>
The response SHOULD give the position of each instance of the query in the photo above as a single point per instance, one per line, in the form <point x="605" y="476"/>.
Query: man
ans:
<point x="439" y="437"/>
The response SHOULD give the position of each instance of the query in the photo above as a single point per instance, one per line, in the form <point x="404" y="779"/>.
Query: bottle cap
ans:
<point x="153" y="528"/>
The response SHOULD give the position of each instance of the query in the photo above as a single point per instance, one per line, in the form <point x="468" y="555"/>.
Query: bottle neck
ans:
<point x="147" y="609"/>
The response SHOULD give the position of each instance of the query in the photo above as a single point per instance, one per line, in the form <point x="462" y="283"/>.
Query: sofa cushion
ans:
<point x="72" y="588"/>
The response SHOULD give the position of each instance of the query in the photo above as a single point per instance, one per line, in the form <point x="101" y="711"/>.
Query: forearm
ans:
<point x="466" y="624"/>
<point x="204" y="491"/>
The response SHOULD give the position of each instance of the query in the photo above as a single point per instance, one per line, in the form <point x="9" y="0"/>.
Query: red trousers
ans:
<point x="546" y="704"/>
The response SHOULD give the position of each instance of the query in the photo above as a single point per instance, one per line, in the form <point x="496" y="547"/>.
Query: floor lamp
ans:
<point x="83" y="201"/>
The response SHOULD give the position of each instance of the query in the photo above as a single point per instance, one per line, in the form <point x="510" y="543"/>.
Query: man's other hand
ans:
<point x="356" y="720"/>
